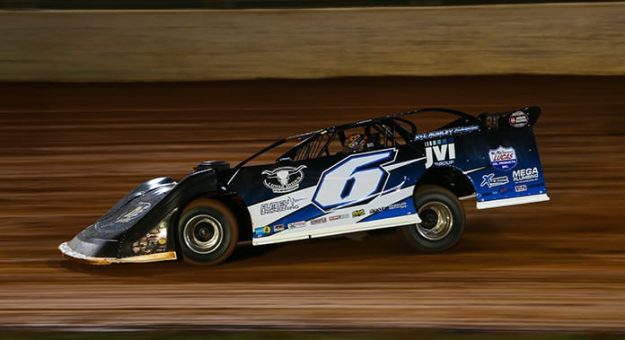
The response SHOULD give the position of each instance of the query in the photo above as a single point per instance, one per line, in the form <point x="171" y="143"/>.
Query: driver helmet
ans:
<point x="356" y="142"/>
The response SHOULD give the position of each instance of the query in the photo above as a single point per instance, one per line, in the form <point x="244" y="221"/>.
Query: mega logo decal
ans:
<point x="502" y="158"/>
<point x="288" y="203"/>
<point x="284" y="179"/>
<point x="491" y="181"/>
<point x="525" y="175"/>
<point x="519" y="119"/>
<point x="439" y="152"/>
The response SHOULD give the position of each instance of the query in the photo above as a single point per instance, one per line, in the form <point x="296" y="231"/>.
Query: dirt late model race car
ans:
<point x="372" y="174"/>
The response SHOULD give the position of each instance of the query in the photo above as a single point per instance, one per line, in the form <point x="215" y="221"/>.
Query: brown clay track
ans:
<point x="69" y="151"/>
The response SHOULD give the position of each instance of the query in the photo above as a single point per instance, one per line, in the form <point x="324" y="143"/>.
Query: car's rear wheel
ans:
<point x="207" y="232"/>
<point x="442" y="220"/>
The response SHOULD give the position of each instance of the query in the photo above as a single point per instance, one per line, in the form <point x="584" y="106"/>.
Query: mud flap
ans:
<point x="514" y="173"/>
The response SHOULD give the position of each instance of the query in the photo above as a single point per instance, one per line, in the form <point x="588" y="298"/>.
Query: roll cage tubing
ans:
<point x="390" y="120"/>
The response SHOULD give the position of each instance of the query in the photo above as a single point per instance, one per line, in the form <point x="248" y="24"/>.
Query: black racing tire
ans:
<point x="442" y="220"/>
<point x="207" y="232"/>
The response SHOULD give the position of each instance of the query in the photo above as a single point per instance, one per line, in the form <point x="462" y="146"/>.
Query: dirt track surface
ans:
<point x="68" y="152"/>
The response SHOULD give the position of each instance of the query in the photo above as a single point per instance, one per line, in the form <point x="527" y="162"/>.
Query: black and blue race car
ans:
<point x="372" y="174"/>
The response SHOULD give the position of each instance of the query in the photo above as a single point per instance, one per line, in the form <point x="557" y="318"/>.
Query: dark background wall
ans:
<point x="234" y="4"/>
<point x="195" y="45"/>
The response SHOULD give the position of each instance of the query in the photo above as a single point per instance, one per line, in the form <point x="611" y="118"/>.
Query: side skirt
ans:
<point x="512" y="201"/>
<point x="345" y="229"/>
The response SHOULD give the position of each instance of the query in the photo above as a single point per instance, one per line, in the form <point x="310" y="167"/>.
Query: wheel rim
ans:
<point x="203" y="234"/>
<point x="436" y="221"/>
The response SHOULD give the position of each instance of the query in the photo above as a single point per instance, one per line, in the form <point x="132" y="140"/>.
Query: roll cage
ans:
<point x="316" y="143"/>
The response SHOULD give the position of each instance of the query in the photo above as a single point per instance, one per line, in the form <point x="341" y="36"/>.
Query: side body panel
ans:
<point x="333" y="195"/>
<point x="374" y="189"/>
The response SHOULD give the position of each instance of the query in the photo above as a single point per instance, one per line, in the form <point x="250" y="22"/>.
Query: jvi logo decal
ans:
<point x="439" y="152"/>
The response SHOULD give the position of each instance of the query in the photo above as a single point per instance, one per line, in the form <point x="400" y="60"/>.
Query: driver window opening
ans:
<point x="344" y="141"/>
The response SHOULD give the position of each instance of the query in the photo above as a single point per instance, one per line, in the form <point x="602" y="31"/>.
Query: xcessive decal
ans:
<point x="503" y="158"/>
<point x="284" y="179"/>
<point x="491" y="181"/>
<point x="439" y="152"/>
<point x="354" y="180"/>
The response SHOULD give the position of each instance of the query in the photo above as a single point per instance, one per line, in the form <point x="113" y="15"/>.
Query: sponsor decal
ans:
<point x="520" y="188"/>
<point x="338" y="217"/>
<point x="134" y="213"/>
<point x="491" y="181"/>
<point x="319" y="220"/>
<point x="447" y="132"/>
<point x="357" y="213"/>
<point x="284" y="179"/>
<point x="278" y="227"/>
<point x="439" y="152"/>
<point x="519" y="119"/>
<point x="295" y="225"/>
<point x="286" y="204"/>
<point x="525" y="175"/>
<point x="503" y="158"/>
<point x="262" y="231"/>
<point x="154" y="241"/>
<point x="399" y="205"/>
<point x="377" y="210"/>
<point x="492" y="121"/>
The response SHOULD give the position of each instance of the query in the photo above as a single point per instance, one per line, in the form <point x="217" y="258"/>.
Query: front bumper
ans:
<point x="136" y="230"/>
<point x="71" y="254"/>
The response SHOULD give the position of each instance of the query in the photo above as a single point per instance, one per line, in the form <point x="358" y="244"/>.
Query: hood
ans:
<point x="104" y="238"/>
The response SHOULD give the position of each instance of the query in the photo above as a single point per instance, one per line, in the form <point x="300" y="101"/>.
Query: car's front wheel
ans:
<point x="442" y="220"/>
<point x="207" y="232"/>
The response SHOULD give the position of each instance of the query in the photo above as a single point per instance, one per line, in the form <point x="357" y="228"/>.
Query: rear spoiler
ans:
<point x="523" y="118"/>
